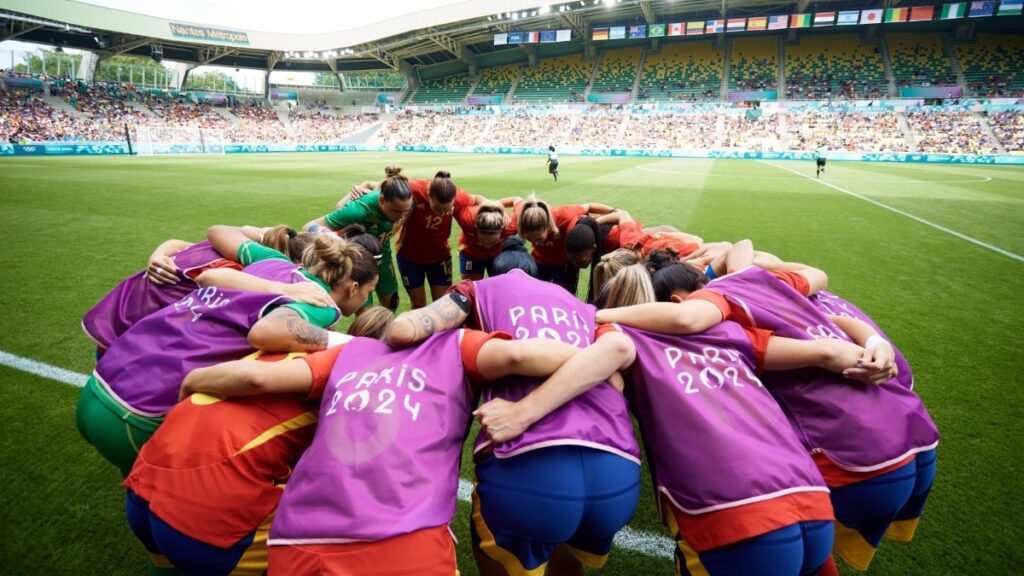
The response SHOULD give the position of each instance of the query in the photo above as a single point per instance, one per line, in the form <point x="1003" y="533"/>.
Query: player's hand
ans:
<point x="161" y="270"/>
<point x="307" y="293"/>
<point x="876" y="365"/>
<point x="501" y="420"/>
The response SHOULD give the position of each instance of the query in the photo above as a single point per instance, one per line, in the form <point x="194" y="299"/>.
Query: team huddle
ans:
<point x="779" y="422"/>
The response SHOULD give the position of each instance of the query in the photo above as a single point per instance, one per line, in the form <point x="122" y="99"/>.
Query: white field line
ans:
<point x="939" y="227"/>
<point x="762" y="177"/>
<point x="627" y="538"/>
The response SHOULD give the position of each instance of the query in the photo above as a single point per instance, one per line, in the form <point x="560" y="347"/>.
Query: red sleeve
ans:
<point x="797" y="281"/>
<point x="759" y="339"/>
<point x="467" y="289"/>
<point x="715" y="298"/>
<point x="566" y="215"/>
<point x="220" y="263"/>
<point x="631" y="235"/>
<point x="421" y="187"/>
<point x="462" y="200"/>
<point x="466" y="216"/>
<point x="320" y="364"/>
<point x="603" y="329"/>
<point x="472" y="342"/>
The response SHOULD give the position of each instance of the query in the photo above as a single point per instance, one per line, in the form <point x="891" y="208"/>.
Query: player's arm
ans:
<point x="687" y="317"/>
<point x="160" y="268"/>
<point x="502" y="420"/>
<point x="510" y="201"/>
<point x="498" y="358"/>
<point x="617" y="217"/>
<point x="878" y="362"/>
<point x="597" y="208"/>
<point x="284" y="330"/>
<point x="414" y="326"/>
<point x="228" y="239"/>
<point x="245" y="378"/>
<point x="306" y="292"/>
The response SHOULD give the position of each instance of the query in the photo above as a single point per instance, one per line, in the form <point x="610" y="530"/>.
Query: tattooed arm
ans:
<point x="417" y="325"/>
<point x="283" y="330"/>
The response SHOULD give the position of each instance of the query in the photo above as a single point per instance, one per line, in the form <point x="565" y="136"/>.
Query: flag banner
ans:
<point x="1010" y="8"/>
<point x="531" y="37"/>
<point x="677" y="28"/>
<point x="778" y="22"/>
<point x="655" y="30"/>
<point x="951" y="11"/>
<point x="638" y="31"/>
<point x="716" y="26"/>
<point x="979" y="9"/>
<point x="515" y="38"/>
<point x="824" y="18"/>
<point x="736" y="25"/>
<point x="694" y="28"/>
<point x="848" y="18"/>
<point x="922" y="13"/>
<point x="871" y="16"/>
<point x="547" y="35"/>
<point x="799" y="20"/>
<point x="500" y="39"/>
<point x="563" y="35"/>
<point x="897" y="14"/>
<point x="599" y="34"/>
<point x="757" y="23"/>
<point x="617" y="33"/>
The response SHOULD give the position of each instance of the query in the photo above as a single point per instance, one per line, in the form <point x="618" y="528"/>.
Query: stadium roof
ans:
<point x="340" y="37"/>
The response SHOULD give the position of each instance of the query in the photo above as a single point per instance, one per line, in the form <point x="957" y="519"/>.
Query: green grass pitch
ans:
<point x="74" y="227"/>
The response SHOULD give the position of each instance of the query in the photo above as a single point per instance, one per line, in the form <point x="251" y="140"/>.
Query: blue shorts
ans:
<point x="527" y="505"/>
<point x="414" y="275"/>
<point x="248" y="556"/>
<point x="889" y="505"/>
<point x="470" y="266"/>
<point x="801" y="548"/>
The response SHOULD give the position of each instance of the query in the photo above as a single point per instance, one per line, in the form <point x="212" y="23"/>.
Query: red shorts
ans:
<point x="430" y="552"/>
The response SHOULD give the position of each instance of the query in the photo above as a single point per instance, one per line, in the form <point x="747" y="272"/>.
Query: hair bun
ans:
<point x="443" y="174"/>
<point x="513" y="244"/>
<point x="659" y="259"/>
<point x="392" y="170"/>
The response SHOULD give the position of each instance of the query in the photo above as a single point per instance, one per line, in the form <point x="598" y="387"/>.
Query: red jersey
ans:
<point x="632" y="236"/>
<point x="214" y="467"/>
<point x="424" y="236"/>
<point x="551" y="252"/>
<point x="469" y="240"/>
<point x="723" y="527"/>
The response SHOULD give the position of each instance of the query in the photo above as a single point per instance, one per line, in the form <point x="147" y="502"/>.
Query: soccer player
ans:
<point x="377" y="488"/>
<point x="175" y="269"/>
<point x="562" y="491"/>
<point x="880" y="482"/>
<point x="135" y="383"/>
<point x="545" y="228"/>
<point x="379" y="212"/>
<point x="203" y="490"/>
<point x="553" y="162"/>
<point x="820" y="157"/>
<point x="483" y="229"/>
<point x="735" y="486"/>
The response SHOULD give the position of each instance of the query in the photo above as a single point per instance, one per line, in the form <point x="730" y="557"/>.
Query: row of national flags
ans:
<point x="952" y="11"/>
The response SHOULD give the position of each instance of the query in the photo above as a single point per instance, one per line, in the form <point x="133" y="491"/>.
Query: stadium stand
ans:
<point x="831" y="66"/>
<point x="497" y="80"/>
<point x="697" y="131"/>
<point x="682" y="71"/>
<point x="993" y="65"/>
<point x="846" y="131"/>
<point x="949" y="132"/>
<point x="617" y="70"/>
<point x="558" y="79"/>
<point x="754" y="63"/>
<point x="1009" y="129"/>
<point x="919" y="60"/>
<point x="447" y="90"/>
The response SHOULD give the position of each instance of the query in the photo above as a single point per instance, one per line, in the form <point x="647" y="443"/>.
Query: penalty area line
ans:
<point x="627" y="539"/>
<point x="939" y="227"/>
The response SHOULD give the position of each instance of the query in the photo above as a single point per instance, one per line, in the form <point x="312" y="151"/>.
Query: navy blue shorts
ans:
<point x="889" y="505"/>
<point x="527" y="505"/>
<point x="470" y="266"/>
<point x="247" y="556"/>
<point x="414" y="275"/>
<point x="801" y="548"/>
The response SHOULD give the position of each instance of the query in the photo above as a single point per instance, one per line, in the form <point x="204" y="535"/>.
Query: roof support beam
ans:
<point x="447" y="44"/>
<point x="12" y="33"/>
<point x="575" y="22"/>
<point x="802" y="5"/>
<point x="208" y="55"/>
<point x="648" y="11"/>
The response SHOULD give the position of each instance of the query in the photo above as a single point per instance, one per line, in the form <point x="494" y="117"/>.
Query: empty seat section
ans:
<point x="617" y="71"/>
<point x="833" y="66"/>
<point x="919" y="60"/>
<point x="447" y="90"/>
<point x="558" y="79"/>
<point x="754" y="64"/>
<point x="992" y="66"/>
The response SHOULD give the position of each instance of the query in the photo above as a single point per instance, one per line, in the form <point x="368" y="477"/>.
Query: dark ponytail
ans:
<point x="668" y="275"/>
<point x="514" y="256"/>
